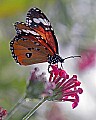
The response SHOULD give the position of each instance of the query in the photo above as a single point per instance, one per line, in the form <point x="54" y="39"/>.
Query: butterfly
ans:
<point x="35" y="41"/>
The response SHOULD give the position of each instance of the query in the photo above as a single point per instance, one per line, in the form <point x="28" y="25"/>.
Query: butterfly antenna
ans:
<point x="71" y="57"/>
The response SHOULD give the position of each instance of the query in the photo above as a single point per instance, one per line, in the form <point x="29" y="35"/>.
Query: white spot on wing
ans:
<point x="44" y="21"/>
<point x="28" y="55"/>
<point x="47" y="29"/>
<point x="27" y="21"/>
<point x="30" y="21"/>
<point x="30" y="31"/>
<point x="22" y="23"/>
<point x="18" y="31"/>
<point x="47" y="22"/>
<point x="35" y="25"/>
<point x="12" y="42"/>
<point x="36" y="20"/>
<point x="37" y="10"/>
<point x="34" y="8"/>
<point x="37" y="44"/>
<point x="51" y="28"/>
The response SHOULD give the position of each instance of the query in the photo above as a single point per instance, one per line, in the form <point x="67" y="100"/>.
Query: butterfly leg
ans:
<point x="61" y="66"/>
<point x="49" y="68"/>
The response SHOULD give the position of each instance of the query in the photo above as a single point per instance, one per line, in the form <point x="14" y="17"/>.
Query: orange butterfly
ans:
<point x="35" y="41"/>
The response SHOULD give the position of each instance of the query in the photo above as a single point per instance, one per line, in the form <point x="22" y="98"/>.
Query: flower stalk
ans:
<point x="15" y="108"/>
<point x="34" y="109"/>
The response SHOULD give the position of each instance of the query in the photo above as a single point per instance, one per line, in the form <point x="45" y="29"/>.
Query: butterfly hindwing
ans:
<point x="27" y="52"/>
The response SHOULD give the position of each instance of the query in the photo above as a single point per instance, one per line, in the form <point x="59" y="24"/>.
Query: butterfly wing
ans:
<point x="27" y="51"/>
<point x="35" y="40"/>
<point x="40" y="23"/>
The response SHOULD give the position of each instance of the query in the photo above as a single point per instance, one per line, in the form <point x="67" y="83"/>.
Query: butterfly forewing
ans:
<point x="37" y="20"/>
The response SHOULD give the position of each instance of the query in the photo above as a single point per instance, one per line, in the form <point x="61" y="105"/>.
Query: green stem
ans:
<point x="34" y="109"/>
<point x="15" y="108"/>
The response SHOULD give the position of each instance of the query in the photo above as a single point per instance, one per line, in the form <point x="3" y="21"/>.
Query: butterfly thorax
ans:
<point x="55" y="59"/>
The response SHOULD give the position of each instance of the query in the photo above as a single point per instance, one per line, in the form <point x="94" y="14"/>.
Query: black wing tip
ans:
<point x="34" y="9"/>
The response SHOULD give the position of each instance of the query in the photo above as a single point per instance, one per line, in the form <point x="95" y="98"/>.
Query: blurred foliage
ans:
<point x="11" y="84"/>
<point x="11" y="7"/>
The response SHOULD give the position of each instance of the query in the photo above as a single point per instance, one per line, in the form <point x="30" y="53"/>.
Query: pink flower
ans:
<point x="87" y="59"/>
<point x="59" y="87"/>
<point x="3" y="113"/>
<point x="66" y="89"/>
<point x="35" y="86"/>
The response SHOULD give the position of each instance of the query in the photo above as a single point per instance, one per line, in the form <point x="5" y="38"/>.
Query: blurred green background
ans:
<point x="74" y="22"/>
